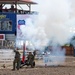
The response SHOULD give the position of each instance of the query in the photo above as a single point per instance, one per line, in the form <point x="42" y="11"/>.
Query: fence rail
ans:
<point x="6" y="56"/>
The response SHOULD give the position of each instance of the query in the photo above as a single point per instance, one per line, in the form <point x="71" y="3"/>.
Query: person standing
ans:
<point x="34" y="53"/>
<point x="16" y="60"/>
<point x="1" y="7"/>
<point x="12" y="8"/>
<point x="30" y="58"/>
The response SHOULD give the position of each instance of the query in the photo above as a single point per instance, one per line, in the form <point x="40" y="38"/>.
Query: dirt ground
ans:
<point x="67" y="68"/>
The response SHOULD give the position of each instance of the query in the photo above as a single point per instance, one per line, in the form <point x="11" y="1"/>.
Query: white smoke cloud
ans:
<point x="33" y="33"/>
<point x="58" y="23"/>
<point x="55" y="16"/>
<point x="54" y="23"/>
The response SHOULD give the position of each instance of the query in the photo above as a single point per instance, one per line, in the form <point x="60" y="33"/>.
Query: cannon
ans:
<point x="27" y="63"/>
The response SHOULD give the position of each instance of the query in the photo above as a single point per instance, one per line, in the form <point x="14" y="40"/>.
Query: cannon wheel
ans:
<point x="33" y="65"/>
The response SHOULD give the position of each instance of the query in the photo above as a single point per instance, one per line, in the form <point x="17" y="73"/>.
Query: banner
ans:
<point x="24" y="21"/>
<point x="7" y="23"/>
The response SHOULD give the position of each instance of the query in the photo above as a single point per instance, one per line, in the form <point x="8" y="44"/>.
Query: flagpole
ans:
<point x="24" y="48"/>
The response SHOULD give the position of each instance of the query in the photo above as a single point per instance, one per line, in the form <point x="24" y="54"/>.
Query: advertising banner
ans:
<point x="25" y="24"/>
<point x="7" y="23"/>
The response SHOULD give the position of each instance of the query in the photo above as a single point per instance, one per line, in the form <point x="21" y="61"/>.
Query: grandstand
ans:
<point x="9" y="15"/>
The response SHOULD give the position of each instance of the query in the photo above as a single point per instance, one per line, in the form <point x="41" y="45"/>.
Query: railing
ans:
<point x="6" y="56"/>
<point x="18" y="11"/>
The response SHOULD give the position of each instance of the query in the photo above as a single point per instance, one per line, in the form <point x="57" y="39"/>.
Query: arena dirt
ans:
<point x="68" y="68"/>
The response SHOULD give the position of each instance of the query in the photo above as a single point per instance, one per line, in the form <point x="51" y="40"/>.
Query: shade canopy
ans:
<point x="17" y="2"/>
